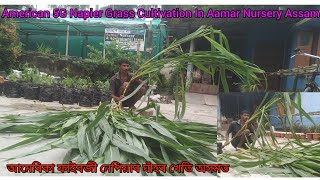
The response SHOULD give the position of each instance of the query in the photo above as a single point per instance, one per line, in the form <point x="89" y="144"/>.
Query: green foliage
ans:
<point x="99" y="69"/>
<point x="10" y="46"/>
<point x="83" y="83"/>
<point x="113" y="53"/>
<point x="12" y="77"/>
<point x="30" y="74"/>
<point x="46" y="80"/>
<point x="42" y="48"/>
<point x="103" y="85"/>
<point x="94" y="54"/>
<point x="68" y="82"/>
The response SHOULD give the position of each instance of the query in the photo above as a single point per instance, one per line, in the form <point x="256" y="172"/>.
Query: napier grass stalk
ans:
<point x="219" y="58"/>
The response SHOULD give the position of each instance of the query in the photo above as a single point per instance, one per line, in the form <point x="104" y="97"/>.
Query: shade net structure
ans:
<point x="52" y="32"/>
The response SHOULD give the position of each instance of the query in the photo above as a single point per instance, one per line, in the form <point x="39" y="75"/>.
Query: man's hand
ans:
<point x="247" y="132"/>
<point x="126" y="84"/>
<point x="118" y="98"/>
<point x="225" y="144"/>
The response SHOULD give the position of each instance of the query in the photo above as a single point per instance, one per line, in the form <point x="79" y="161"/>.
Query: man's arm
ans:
<point x="227" y="135"/>
<point x="253" y="129"/>
<point x="112" y="89"/>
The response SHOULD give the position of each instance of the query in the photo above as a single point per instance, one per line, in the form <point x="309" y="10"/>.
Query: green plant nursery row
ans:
<point x="34" y="85"/>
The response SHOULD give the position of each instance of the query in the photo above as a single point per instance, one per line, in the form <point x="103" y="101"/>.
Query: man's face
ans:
<point x="245" y="116"/>
<point x="124" y="67"/>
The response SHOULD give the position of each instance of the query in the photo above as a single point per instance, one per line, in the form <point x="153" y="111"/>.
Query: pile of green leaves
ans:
<point x="266" y="155"/>
<point x="106" y="135"/>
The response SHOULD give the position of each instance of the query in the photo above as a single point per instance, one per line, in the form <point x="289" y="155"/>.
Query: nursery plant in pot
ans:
<point x="57" y="91"/>
<point x="289" y="135"/>
<point x="104" y="92"/>
<point x="302" y="135"/>
<point x="46" y="89"/>
<point x="23" y="86"/>
<point x="11" y="88"/>
<point x="86" y="92"/>
<point x="76" y="91"/>
<point x="97" y="93"/>
<point x="309" y="132"/>
<point x="32" y="90"/>
<point x="26" y="78"/>
<point x="316" y="133"/>
<point x="67" y="91"/>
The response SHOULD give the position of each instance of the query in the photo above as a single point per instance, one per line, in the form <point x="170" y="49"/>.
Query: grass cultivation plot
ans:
<point x="296" y="158"/>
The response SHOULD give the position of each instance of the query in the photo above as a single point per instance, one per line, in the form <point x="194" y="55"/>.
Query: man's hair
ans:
<point x="123" y="61"/>
<point x="245" y="112"/>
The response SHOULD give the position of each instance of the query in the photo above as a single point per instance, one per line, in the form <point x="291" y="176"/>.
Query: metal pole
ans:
<point x="67" y="42"/>
<point x="104" y="51"/>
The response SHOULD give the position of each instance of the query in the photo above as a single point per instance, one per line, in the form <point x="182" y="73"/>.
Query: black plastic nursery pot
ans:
<point x="105" y="97"/>
<point x="57" y="93"/>
<point x="46" y="93"/>
<point x="23" y="86"/>
<point x="32" y="92"/>
<point x="96" y="96"/>
<point x="66" y="96"/>
<point x="76" y="95"/>
<point x="11" y="89"/>
<point x="86" y="98"/>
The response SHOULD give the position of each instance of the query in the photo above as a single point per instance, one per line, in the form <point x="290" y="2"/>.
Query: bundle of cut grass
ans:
<point x="106" y="135"/>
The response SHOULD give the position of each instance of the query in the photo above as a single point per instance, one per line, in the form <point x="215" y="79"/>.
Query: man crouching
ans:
<point x="120" y="81"/>
<point x="240" y="140"/>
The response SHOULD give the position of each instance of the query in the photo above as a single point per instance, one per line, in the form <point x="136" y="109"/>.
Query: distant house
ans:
<point x="267" y="43"/>
<point x="305" y="36"/>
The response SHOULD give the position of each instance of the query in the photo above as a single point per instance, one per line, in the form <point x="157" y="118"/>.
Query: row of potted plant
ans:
<point x="289" y="135"/>
<point x="34" y="85"/>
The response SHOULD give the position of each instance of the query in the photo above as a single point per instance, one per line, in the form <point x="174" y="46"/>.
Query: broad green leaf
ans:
<point x="71" y="154"/>
<point x="104" y="144"/>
